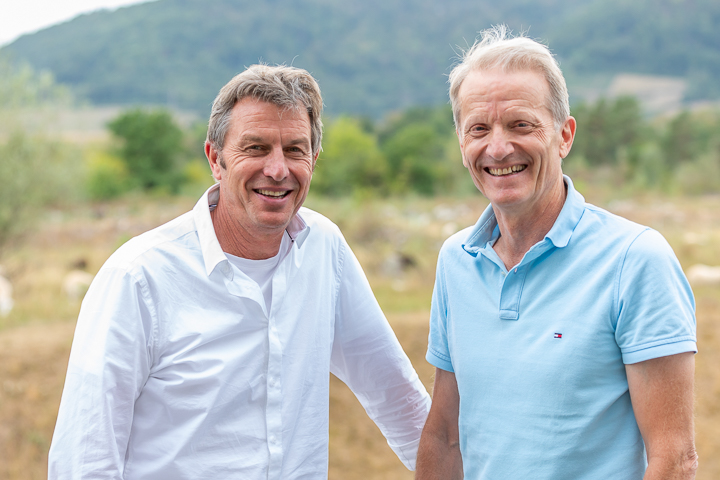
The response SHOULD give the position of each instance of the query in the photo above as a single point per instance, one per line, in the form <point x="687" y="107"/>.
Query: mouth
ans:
<point x="272" y="193"/>
<point x="502" y="172"/>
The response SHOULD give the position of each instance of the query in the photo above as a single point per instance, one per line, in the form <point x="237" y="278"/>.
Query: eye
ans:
<point x="478" y="128"/>
<point x="295" y="150"/>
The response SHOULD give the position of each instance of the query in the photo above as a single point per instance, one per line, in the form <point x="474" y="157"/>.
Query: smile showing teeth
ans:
<point x="498" y="172"/>
<point x="273" y="194"/>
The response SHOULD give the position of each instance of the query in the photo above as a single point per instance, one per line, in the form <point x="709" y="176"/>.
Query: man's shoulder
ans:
<point x="598" y="221"/>
<point x="155" y="243"/>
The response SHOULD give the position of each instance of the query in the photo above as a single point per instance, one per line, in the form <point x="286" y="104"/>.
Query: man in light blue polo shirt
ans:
<point x="563" y="335"/>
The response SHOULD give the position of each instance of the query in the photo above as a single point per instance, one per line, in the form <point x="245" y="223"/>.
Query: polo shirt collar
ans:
<point x="212" y="253"/>
<point x="486" y="229"/>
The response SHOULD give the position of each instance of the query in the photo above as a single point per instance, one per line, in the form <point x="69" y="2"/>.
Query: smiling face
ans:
<point x="509" y="142"/>
<point x="265" y="166"/>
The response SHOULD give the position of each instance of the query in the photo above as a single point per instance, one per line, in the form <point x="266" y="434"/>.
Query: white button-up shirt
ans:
<point x="177" y="370"/>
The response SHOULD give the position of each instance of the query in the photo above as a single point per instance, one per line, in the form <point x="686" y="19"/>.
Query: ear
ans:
<point x="568" y="135"/>
<point x="315" y="157"/>
<point x="213" y="156"/>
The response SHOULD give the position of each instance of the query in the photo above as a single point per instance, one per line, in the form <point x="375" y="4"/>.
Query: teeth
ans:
<point x="506" y="171"/>
<point x="270" y="193"/>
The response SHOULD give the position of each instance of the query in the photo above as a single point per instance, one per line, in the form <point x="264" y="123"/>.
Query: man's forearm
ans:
<point x="438" y="460"/>
<point x="679" y="467"/>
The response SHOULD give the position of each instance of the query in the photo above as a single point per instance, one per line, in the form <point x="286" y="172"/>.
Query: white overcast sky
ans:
<point x="27" y="16"/>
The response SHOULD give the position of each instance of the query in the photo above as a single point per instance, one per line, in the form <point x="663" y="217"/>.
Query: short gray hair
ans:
<point x="497" y="49"/>
<point x="287" y="87"/>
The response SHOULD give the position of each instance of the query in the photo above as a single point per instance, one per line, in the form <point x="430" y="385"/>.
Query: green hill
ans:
<point x="369" y="57"/>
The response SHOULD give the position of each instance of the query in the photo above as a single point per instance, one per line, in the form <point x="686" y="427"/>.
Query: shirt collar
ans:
<point x="485" y="230"/>
<point x="213" y="254"/>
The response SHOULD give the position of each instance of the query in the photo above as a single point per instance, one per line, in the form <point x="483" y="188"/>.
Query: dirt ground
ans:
<point x="35" y="340"/>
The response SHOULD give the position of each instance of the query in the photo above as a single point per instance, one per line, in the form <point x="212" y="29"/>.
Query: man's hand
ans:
<point x="439" y="452"/>
<point x="661" y="391"/>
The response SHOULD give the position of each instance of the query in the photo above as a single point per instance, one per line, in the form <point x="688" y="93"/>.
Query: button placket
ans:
<point x="511" y="293"/>
<point x="273" y="412"/>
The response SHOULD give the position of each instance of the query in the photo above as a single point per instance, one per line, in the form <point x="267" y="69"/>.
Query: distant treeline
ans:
<point x="416" y="152"/>
<point x="370" y="57"/>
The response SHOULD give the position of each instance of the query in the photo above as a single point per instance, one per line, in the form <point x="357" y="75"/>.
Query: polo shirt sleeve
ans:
<point x="109" y="363"/>
<point x="655" y="308"/>
<point x="368" y="358"/>
<point x="438" y="353"/>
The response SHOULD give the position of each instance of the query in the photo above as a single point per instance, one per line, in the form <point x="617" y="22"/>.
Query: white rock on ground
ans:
<point x="703" y="275"/>
<point x="76" y="283"/>
<point x="6" y="300"/>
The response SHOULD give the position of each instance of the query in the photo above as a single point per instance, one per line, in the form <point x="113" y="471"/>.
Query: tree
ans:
<point x="151" y="145"/>
<point x="415" y="144"/>
<point x="606" y="129"/>
<point x="34" y="170"/>
<point x="350" y="160"/>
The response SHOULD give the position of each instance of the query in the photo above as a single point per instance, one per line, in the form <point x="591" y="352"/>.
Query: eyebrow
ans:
<point x="257" y="139"/>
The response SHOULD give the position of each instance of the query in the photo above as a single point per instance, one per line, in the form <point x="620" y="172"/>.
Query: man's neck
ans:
<point x="519" y="232"/>
<point x="239" y="241"/>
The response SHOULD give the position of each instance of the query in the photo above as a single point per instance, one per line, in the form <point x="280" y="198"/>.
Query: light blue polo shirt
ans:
<point x="539" y="351"/>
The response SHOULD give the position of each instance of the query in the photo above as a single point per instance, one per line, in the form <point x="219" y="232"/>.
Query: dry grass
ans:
<point x="396" y="241"/>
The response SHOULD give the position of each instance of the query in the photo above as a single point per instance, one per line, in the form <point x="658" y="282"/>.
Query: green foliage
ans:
<point x="197" y="177"/>
<point x="350" y="160"/>
<point x="659" y="37"/>
<point x="688" y="135"/>
<point x="414" y="151"/>
<point x="151" y="145"/>
<point x="677" y="153"/>
<point x="22" y="87"/>
<point x="415" y="144"/>
<point x="607" y="128"/>
<point x="35" y="172"/>
<point x="107" y="176"/>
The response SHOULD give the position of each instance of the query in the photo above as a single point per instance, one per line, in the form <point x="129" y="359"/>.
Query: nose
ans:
<point x="276" y="165"/>
<point x="499" y="144"/>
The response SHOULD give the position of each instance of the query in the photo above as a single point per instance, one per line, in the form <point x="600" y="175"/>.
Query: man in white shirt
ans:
<point x="204" y="347"/>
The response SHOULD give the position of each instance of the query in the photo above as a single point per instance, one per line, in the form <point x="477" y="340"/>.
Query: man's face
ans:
<point x="268" y="165"/>
<point x="508" y="140"/>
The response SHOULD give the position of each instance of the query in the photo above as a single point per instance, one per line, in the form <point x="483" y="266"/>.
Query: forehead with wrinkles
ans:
<point x="495" y="94"/>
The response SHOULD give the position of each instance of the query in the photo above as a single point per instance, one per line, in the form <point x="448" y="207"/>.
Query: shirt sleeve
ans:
<point x="109" y="363"/>
<point x="655" y="306"/>
<point x="438" y="353"/>
<point x="367" y="356"/>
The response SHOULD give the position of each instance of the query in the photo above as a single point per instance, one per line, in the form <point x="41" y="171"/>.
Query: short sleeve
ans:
<point x="438" y="353"/>
<point x="655" y="305"/>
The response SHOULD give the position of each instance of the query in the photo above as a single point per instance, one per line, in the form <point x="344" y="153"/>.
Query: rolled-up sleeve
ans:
<point x="367" y="356"/>
<point x="109" y="364"/>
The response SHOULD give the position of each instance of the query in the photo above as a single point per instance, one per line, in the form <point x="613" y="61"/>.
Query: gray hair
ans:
<point x="497" y="49"/>
<point x="287" y="87"/>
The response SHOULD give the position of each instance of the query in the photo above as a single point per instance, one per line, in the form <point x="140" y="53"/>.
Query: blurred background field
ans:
<point x="102" y="121"/>
<point x="397" y="242"/>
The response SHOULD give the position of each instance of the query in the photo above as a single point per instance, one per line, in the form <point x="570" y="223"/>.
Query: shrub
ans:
<point x="151" y="145"/>
<point x="107" y="176"/>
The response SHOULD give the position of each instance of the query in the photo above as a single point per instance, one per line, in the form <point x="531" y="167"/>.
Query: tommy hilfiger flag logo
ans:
<point x="558" y="335"/>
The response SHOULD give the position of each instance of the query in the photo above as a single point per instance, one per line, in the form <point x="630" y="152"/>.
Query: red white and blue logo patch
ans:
<point x="558" y="335"/>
